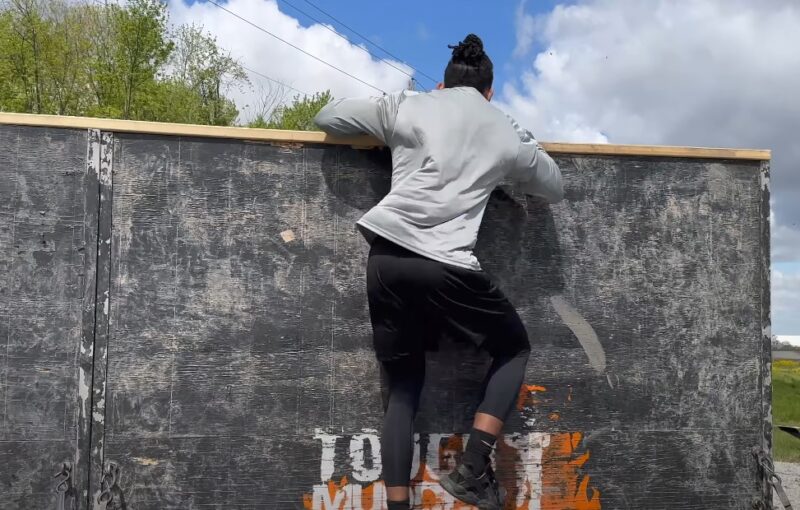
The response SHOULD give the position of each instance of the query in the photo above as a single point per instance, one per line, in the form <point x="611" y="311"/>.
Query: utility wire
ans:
<point x="365" y="50"/>
<point x="274" y="80"/>
<point x="297" y="47"/>
<point x="434" y="80"/>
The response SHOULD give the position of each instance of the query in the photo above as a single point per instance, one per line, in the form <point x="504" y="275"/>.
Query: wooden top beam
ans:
<point x="280" y="136"/>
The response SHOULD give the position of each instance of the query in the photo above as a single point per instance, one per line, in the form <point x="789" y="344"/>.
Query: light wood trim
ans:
<point x="657" y="151"/>
<point x="168" y="128"/>
<point x="280" y="136"/>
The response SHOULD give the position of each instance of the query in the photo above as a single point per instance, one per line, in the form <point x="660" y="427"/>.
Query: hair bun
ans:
<point x="469" y="51"/>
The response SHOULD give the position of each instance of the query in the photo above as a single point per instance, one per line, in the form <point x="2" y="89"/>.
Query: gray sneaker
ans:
<point x="482" y="491"/>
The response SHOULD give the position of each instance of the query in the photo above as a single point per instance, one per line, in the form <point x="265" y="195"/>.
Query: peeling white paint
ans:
<point x="529" y="467"/>
<point x="328" y="453"/>
<point x="84" y="386"/>
<point x="105" y="176"/>
<point x="93" y="152"/>
<point x="360" y="472"/>
<point x="764" y="180"/>
<point x="105" y="306"/>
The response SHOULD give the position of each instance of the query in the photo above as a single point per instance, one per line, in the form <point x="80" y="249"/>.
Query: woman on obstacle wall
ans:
<point x="450" y="149"/>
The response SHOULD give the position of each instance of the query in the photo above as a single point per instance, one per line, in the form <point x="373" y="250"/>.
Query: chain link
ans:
<point x="773" y="480"/>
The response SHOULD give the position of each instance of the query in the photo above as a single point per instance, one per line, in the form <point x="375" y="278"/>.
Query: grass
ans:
<point x="785" y="409"/>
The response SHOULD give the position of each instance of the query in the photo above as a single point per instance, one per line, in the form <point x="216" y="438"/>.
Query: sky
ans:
<point x="718" y="73"/>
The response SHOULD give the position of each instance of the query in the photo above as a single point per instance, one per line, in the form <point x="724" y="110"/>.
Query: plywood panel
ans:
<point x="48" y="215"/>
<point x="240" y="371"/>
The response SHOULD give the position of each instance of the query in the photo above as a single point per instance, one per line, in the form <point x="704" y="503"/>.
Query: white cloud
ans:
<point x="267" y="55"/>
<point x="785" y="243"/>
<point x="716" y="72"/>
<point x="719" y="73"/>
<point x="526" y="30"/>
<point x="786" y="302"/>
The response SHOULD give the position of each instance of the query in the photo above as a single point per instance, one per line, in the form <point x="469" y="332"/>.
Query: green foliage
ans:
<point x="204" y="74"/>
<point x="112" y="60"/>
<point x="785" y="408"/>
<point x="297" y="116"/>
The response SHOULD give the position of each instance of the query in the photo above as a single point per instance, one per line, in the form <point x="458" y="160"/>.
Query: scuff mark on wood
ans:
<point x="583" y="332"/>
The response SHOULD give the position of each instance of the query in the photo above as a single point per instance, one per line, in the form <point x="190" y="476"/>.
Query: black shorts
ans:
<point x="414" y="301"/>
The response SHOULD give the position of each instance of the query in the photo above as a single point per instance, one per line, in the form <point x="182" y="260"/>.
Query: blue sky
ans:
<point x="419" y="32"/>
<point x="716" y="73"/>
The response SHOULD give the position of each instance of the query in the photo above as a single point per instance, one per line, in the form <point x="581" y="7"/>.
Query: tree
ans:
<point x="297" y="116"/>
<point x="142" y="48"/>
<point x="69" y="45"/>
<point x="269" y="97"/>
<point x="208" y="74"/>
<point x="123" y="60"/>
<point x="23" y="49"/>
<point x="778" y="345"/>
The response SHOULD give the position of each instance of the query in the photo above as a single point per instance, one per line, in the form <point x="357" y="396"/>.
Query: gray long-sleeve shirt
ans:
<point x="450" y="149"/>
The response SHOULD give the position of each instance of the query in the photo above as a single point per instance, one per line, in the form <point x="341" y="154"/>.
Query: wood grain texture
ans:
<point x="47" y="211"/>
<point x="240" y="343"/>
<point x="305" y="137"/>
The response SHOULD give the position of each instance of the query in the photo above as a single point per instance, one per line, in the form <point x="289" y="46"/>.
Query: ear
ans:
<point x="489" y="94"/>
<point x="440" y="85"/>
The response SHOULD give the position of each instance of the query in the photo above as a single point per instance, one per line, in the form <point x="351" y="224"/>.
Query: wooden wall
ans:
<point x="205" y="296"/>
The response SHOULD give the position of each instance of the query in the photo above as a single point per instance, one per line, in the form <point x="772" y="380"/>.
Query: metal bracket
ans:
<point x="67" y="495"/>
<point x="765" y="462"/>
<point x="110" y="496"/>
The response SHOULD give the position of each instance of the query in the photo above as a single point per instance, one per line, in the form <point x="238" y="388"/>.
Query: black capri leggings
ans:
<point x="403" y="381"/>
<point x="414" y="300"/>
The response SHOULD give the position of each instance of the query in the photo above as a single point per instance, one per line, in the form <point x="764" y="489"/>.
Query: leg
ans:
<point x="403" y="381"/>
<point x="500" y="390"/>
<point x="473" y="480"/>
<point x="501" y="387"/>
<point x="394" y="277"/>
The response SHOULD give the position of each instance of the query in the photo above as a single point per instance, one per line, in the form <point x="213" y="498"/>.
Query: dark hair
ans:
<point x="469" y="66"/>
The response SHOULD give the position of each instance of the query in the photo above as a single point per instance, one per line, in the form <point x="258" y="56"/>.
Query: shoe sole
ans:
<point x="460" y="494"/>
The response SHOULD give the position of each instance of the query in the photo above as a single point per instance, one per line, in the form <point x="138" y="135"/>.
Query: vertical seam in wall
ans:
<point x="101" y="294"/>
<point x="332" y="374"/>
<point x="11" y="263"/>
<point x="766" y="321"/>
<point x="92" y="135"/>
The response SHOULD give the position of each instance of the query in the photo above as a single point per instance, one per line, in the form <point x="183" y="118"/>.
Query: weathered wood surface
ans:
<point x="48" y="217"/>
<point x="234" y="370"/>
<point x="240" y="340"/>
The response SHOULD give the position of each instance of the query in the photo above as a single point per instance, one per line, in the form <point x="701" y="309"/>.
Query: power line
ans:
<point x="322" y="24"/>
<point x="434" y="80"/>
<point x="297" y="47"/>
<point x="105" y="3"/>
<point x="274" y="80"/>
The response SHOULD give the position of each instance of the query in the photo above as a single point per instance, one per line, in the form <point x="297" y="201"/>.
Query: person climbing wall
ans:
<point x="450" y="149"/>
